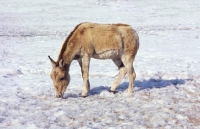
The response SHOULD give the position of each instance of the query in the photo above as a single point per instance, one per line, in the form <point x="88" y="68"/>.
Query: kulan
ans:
<point x="118" y="42"/>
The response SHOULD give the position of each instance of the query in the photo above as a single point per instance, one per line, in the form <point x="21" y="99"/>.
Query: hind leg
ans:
<point x="128" y="62"/>
<point x="122" y="73"/>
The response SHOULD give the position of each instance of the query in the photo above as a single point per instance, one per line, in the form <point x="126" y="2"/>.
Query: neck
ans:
<point x="68" y="57"/>
<point x="66" y="67"/>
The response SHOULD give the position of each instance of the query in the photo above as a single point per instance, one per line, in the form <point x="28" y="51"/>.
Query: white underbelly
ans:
<point x="111" y="54"/>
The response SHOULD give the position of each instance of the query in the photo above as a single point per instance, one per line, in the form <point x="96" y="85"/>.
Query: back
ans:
<point x="104" y="37"/>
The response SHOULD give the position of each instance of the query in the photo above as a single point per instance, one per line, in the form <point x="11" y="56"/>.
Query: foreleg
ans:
<point x="84" y="64"/>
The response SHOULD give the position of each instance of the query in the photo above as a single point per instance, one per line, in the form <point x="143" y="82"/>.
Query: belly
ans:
<point x="110" y="54"/>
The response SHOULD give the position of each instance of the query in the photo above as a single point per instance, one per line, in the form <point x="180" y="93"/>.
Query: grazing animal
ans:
<point x="118" y="42"/>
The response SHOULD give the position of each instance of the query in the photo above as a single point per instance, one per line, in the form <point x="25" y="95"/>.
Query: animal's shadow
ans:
<point x="141" y="85"/>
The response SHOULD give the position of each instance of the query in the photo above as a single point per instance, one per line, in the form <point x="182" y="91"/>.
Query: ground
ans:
<point x="167" y="86"/>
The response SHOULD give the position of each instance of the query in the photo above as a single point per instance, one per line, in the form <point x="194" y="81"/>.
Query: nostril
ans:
<point x="58" y="95"/>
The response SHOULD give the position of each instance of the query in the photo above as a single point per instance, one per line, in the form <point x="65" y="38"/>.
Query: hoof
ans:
<point x="83" y="96"/>
<point x="112" y="91"/>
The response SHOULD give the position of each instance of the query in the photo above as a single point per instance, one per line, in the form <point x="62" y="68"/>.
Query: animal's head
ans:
<point x="60" y="77"/>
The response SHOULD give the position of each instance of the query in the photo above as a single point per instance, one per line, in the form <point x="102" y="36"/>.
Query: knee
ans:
<point x="123" y="70"/>
<point x="85" y="76"/>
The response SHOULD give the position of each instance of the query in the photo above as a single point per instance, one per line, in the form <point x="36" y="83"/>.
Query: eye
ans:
<point x="62" y="78"/>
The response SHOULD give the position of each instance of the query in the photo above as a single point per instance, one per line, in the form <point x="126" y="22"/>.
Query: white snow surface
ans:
<point x="167" y="86"/>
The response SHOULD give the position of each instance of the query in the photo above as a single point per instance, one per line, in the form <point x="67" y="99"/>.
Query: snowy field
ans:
<point x="167" y="87"/>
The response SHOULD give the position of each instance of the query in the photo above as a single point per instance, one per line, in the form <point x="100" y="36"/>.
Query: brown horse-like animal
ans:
<point x="118" y="42"/>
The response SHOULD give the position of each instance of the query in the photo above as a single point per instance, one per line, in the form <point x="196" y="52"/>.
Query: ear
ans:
<point x="61" y="63"/>
<point x="52" y="62"/>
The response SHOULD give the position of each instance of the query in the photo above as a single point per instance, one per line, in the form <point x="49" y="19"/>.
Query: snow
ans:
<point x="167" y="86"/>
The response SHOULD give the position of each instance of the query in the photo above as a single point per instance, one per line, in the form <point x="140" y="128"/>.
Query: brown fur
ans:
<point x="118" y="42"/>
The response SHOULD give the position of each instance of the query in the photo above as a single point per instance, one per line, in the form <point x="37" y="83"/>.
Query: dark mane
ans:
<point x="64" y="46"/>
<point x="120" y="24"/>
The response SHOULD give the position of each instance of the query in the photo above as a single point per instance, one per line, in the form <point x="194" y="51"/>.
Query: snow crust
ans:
<point x="167" y="87"/>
